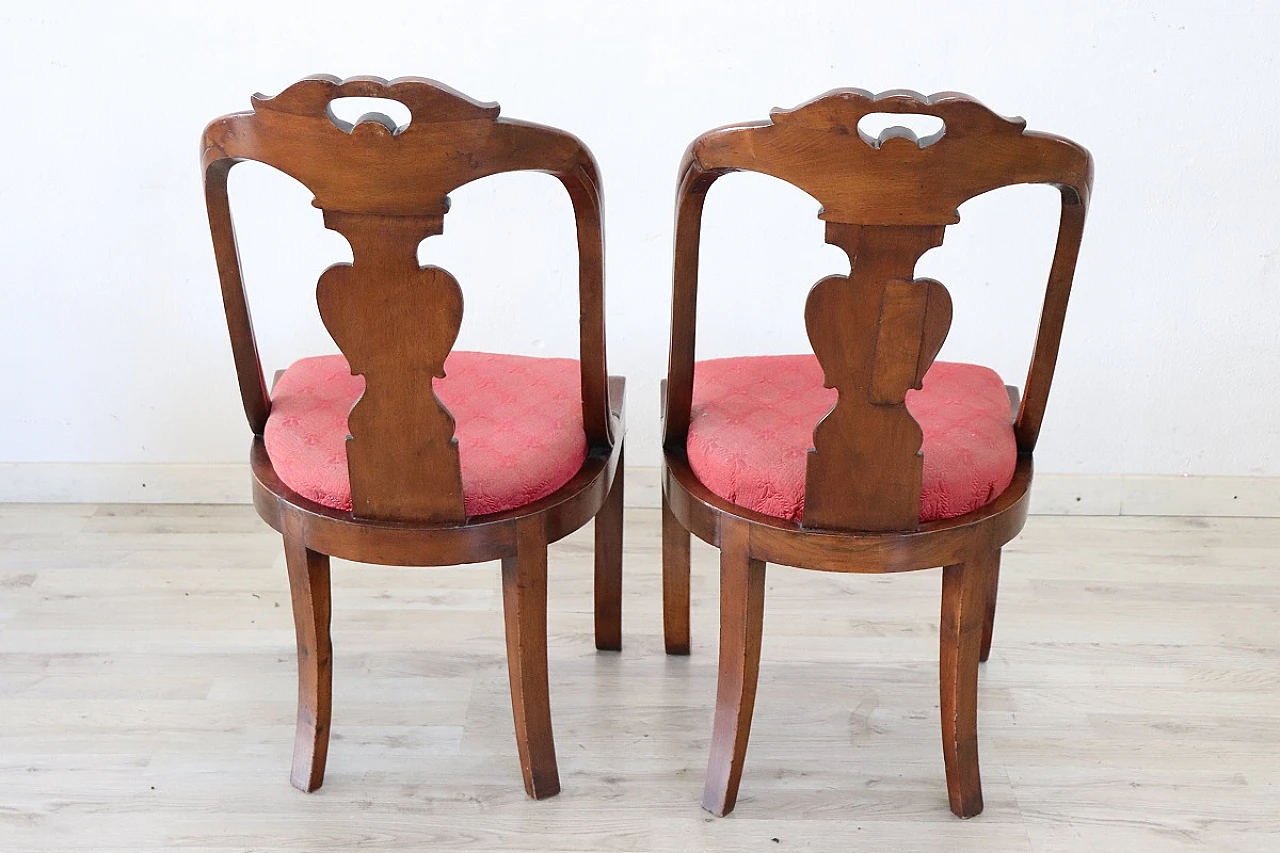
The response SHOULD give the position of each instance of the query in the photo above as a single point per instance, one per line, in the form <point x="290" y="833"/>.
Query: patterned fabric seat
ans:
<point x="752" y="427"/>
<point x="519" y="427"/>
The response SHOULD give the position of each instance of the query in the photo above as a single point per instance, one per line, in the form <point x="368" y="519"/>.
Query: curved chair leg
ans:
<point x="989" y="624"/>
<point x="609" y="565"/>
<point x="965" y="588"/>
<point x="309" y="589"/>
<point x="524" y="607"/>
<point x="675" y="582"/>
<point x="741" y="623"/>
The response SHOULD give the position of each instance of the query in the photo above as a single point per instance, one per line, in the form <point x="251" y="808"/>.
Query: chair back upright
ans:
<point x="385" y="189"/>
<point x="886" y="201"/>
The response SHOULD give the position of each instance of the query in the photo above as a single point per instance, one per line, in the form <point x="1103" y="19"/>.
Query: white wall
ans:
<point x="112" y="329"/>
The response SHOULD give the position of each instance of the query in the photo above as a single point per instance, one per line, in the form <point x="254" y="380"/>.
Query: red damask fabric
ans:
<point x="753" y="419"/>
<point x="519" y="427"/>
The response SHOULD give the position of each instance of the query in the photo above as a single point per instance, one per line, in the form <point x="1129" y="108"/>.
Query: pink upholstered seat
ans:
<point x="519" y="427"/>
<point x="752" y="427"/>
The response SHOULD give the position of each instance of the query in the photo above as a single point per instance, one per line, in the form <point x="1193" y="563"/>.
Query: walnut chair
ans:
<point x="865" y="456"/>
<point x="400" y="452"/>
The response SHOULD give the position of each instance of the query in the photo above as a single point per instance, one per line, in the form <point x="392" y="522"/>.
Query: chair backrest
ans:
<point x="886" y="201"/>
<point x="385" y="189"/>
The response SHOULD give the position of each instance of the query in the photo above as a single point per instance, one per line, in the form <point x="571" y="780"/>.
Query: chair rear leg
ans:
<point x="309" y="588"/>
<point x="989" y="625"/>
<point x="965" y="588"/>
<point x="608" y="580"/>
<point x="741" y="625"/>
<point x="675" y="582"/>
<point x="524" y="607"/>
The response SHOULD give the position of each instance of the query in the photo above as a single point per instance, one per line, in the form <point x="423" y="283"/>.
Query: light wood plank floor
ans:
<point x="147" y="690"/>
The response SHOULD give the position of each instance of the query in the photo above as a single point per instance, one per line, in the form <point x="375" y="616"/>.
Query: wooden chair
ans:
<point x="859" y="458"/>
<point x="412" y="484"/>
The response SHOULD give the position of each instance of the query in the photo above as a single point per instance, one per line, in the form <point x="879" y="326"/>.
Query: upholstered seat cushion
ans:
<point x="518" y="424"/>
<point x="752" y="427"/>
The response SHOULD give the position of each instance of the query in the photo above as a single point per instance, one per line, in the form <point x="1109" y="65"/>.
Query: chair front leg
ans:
<point x="675" y="582"/>
<point x="608" y="581"/>
<point x="524" y="608"/>
<point x="989" y="623"/>
<point x="310" y="591"/>
<point x="965" y="589"/>
<point x="741" y="626"/>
